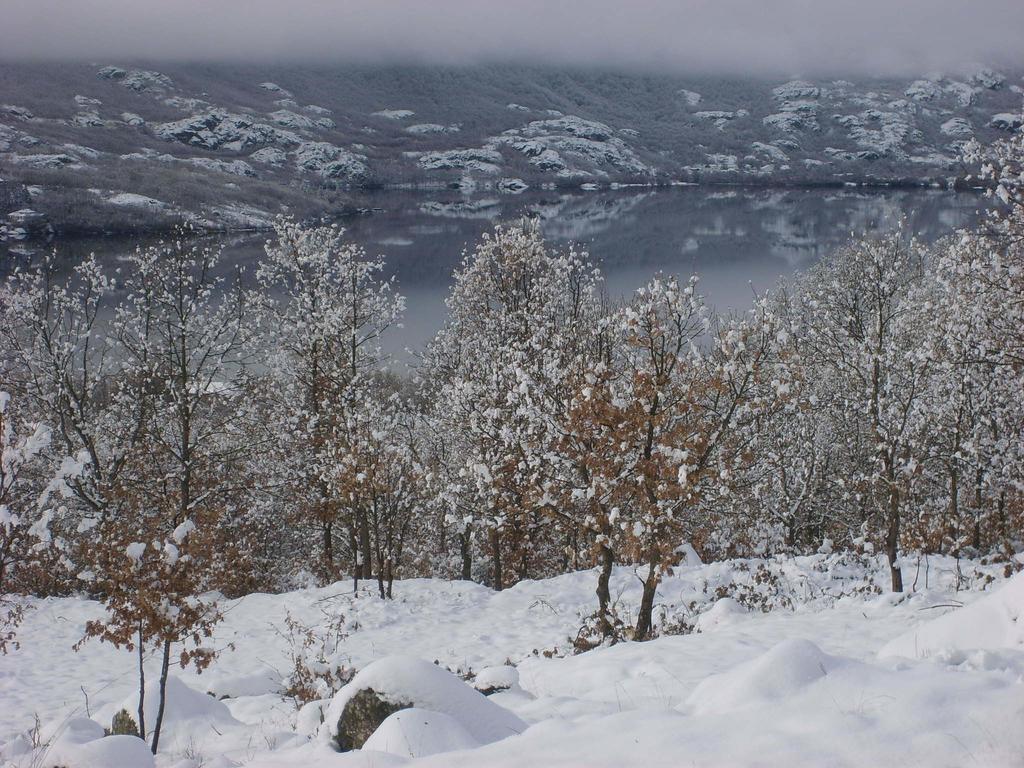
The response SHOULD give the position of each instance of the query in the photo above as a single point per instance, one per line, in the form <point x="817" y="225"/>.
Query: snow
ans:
<point x="692" y="98"/>
<point x="426" y="685"/>
<point x="784" y="671"/>
<point x="394" y="114"/>
<point x="107" y="752"/>
<point x="490" y="678"/>
<point x="419" y="732"/>
<point x="994" y="623"/>
<point x="803" y="684"/>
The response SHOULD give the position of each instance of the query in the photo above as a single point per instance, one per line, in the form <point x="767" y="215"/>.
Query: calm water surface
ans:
<point x="738" y="240"/>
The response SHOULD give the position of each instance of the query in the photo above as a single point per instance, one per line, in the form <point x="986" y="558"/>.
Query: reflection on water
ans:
<point x="738" y="240"/>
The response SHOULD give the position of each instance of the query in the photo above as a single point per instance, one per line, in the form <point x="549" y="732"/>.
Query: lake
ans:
<point x="739" y="240"/>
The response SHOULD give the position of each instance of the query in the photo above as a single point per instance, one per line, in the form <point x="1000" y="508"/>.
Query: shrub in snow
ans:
<point x="419" y="732"/>
<point x="786" y="669"/>
<point x="395" y="683"/>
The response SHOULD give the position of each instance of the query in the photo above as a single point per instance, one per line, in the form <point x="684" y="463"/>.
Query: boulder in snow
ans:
<point x="1006" y="121"/>
<point x="490" y="680"/>
<point x="397" y="683"/>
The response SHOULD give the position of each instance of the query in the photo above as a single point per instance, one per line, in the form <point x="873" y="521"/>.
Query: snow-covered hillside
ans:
<point x="830" y="674"/>
<point x="276" y="138"/>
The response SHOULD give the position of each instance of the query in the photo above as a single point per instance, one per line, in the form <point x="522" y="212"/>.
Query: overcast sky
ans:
<point x="726" y="36"/>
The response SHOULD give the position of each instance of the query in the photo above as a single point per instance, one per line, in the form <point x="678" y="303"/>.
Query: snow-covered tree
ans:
<point x="326" y="307"/>
<point x="517" y="314"/>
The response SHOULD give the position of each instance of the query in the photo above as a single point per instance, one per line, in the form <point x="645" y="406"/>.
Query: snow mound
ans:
<point x="419" y="732"/>
<point x="785" y="670"/>
<point x="186" y="711"/>
<point x="491" y="679"/>
<point x="993" y="623"/>
<point x="724" y="611"/>
<point x="77" y="730"/>
<point x="106" y="752"/>
<point x="426" y="686"/>
<point x="225" y="685"/>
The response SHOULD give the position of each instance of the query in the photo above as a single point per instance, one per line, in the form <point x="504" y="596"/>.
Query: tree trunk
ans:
<point x="165" y="664"/>
<point x="142" y="688"/>
<point x="645" y="614"/>
<point x="328" y="557"/>
<point x="364" y="546"/>
<point x="466" y="550"/>
<point x="604" y="596"/>
<point x="496" y="558"/>
<point x="892" y="539"/>
<point x="357" y="567"/>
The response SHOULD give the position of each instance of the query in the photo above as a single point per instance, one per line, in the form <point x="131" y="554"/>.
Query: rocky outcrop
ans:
<point x="330" y="162"/>
<point x="138" y="80"/>
<point x="481" y="160"/>
<point x="219" y="129"/>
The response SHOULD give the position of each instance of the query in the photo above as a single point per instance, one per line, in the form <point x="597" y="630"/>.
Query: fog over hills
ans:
<point x="108" y="146"/>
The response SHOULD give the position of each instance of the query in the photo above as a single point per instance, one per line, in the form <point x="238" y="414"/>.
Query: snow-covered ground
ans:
<point x="843" y="676"/>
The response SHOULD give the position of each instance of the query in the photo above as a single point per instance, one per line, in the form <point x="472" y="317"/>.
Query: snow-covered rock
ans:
<point x="290" y="119"/>
<point x="994" y="622"/>
<point x="274" y="88"/>
<point x="988" y="78"/>
<point x="692" y="98"/>
<point x="790" y="122"/>
<point x="188" y="104"/>
<point x="394" y="114"/>
<point x="512" y="186"/>
<point x="87" y="120"/>
<point x="138" y="80"/>
<point x="490" y="680"/>
<point x="416" y="732"/>
<point x="133" y="200"/>
<point x="13" y="110"/>
<point x="1006" y="121"/>
<point x="796" y="89"/>
<point x="404" y="682"/>
<point x="957" y="126"/>
<point x="269" y="155"/>
<point x="330" y="161"/>
<point x="132" y="119"/>
<point x="480" y="160"/>
<point x="232" y="167"/>
<point x="45" y="160"/>
<point x="572" y="147"/>
<point x="923" y="90"/>
<point x="218" y="129"/>
<point x="424" y="129"/>
<point x="720" y="117"/>
<point x="962" y="92"/>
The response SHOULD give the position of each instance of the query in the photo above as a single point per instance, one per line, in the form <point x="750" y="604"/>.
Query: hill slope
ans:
<point x="106" y="147"/>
